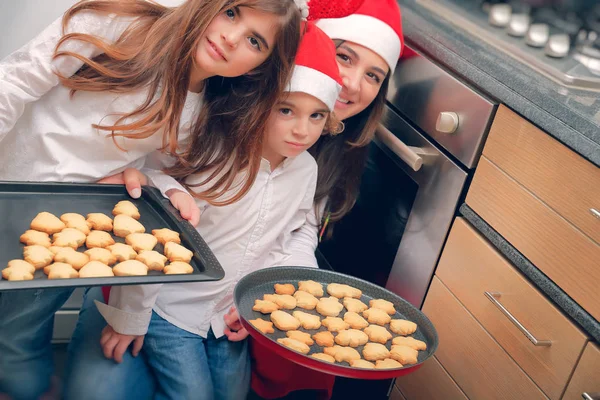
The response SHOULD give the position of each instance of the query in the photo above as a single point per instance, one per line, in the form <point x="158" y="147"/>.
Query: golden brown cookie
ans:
<point x="60" y="270"/>
<point x="122" y="252"/>
<point x="284" y="321"/>
<point x="130" y="268"/>
<point x="32" y="238"/>
<point x="362" y="364"/>
<point x="262" y="325"/>
<point x="329" y="307"/>
<point x="378" y="334"/>
<point x="99" y="239"/>
<point x="125" y="225"/>
<point x="355" y="321"/>
<point x="335" y="324"/>
<point x="141" y="241"/>
<point x="384" y="305"/>
<point x="95" y="269"/>
<point x="308" y="321"/>
<point x="340" y="290"/>
<point x="342" y="354"/>
<point x="375" y="351"/>
<point x="284" y="288"/>
<point x="404" y="354"/>
<point x="176" y="252"/>
<point x="18" y="270"/>
<point x="388" y="363"/>
<point x="305" y="300"/>
<point x="125" y="207"/>
<point x="38" y="256"/>
<point x="55" y="249"/>
<point x="153" y="259"/>
<point x="324" y="338"/>
<point x="265" y="307"/>
<point x="294" y="345"/>
<point x="351" y="337"/>
<point x="410" y="342"/>
<point x="376" y="316"/>
<point x="47" y="222"/>
<point x="301" y="337"/>
<point x="354" y="305"/>
<point x="312" y="287"/>
<point x="100" y="222"/>
<point x="323" y="357"/>
<point x="284" y="301"/>
<point x="72" y="257"/>
<point x="165" y="235"/>
<point x="178" y="268"/>
<point x="77" y="221"/>
<point x="69" y="237"/>
<point x="102" y="255"/>
<point x="403" y="327"/>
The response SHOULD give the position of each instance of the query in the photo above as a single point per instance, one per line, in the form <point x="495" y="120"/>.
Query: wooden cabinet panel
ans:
<point x="586" y="378"/>
<point x="430" y="382"/>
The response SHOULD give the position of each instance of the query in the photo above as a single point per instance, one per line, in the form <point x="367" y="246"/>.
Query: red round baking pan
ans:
<point x="257" y="284"/>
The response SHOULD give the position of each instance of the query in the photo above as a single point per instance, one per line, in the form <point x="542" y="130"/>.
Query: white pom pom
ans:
<point x="303" y="7"/>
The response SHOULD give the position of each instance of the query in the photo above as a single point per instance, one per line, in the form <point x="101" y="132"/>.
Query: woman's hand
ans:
<point x="186" y="205"/>
<point x="114" y="345"/>
<point x="132" y="178"/>
<point x="234" y="331"/>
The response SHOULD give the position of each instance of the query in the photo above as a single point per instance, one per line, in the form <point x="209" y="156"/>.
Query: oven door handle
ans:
<point x="406" y="153"/>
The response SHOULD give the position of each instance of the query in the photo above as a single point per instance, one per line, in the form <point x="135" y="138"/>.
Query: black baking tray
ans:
<point x="20" y="202"/>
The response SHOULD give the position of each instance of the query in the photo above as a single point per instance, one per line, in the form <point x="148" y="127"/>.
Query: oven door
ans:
<point x="408" y="196"/>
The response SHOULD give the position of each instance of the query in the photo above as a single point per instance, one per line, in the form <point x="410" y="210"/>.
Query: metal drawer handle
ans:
<point x="406" y="153"/>
<point x="591" y="396"/>
<point x="595" y="213"/>
<point x="492" y="296"/>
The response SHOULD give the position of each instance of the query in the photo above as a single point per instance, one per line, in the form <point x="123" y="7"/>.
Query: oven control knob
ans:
<point x="558" y="45"/>
<point x="447" y="122"/>
<point x="538" y="35"/>
<point x="500" y="15"/>
<point x="519" y="25"/>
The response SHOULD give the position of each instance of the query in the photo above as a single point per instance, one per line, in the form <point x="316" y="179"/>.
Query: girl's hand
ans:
<point x="132" y="178"/>
<point x="114" y="344"/>
<point x="186" y="205"/>
<point x="234" y="331"/>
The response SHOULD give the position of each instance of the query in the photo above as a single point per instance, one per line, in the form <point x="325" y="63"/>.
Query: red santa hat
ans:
<point x="316" y="71"/>
<point x="376" y="24"/>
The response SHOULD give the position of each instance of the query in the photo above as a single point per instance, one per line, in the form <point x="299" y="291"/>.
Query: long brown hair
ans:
<point x="156" y="53"/>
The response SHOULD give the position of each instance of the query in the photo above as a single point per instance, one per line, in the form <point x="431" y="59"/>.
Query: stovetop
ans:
<point x="560" y="43"/>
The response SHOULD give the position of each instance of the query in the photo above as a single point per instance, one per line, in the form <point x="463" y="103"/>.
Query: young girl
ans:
<point x="114" y="81"/>
<point x="181" y="325"/>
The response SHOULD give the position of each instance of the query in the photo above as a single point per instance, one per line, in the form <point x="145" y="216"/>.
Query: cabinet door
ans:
<point x="586" y="379"/>
<point x="431" y="382"/>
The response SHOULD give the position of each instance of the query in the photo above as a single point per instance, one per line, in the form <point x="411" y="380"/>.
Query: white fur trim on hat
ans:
<point x="315" y="83"/>
<point x="366" y="31"/>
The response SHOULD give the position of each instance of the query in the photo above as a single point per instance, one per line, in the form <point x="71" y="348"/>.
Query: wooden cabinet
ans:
<point x="430" y="382"/>
<point x="586" y="378"/>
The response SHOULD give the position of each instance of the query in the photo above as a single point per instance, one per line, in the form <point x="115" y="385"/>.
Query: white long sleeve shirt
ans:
<point x="241" y="235"/>
<point x="47" y="136"/>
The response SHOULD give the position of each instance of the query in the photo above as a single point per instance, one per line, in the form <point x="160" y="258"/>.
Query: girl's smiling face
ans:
<point x="362" y="71"/>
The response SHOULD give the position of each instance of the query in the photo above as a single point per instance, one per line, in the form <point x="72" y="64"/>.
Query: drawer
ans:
<point x="586" y="378"/>
<point x="478" y="365"/>
<point x="430" y="382"/>
<point x="469" y="267"/>
<point x="560" y="250"/>
<point x="396" y="395"/>
<point x="562" y="179"/>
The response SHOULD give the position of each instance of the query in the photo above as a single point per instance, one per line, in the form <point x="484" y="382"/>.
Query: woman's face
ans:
<point x="363" y="72"/>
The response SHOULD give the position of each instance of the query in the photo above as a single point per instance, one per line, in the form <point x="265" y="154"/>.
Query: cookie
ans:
<point x="130" y="268"/>
<point x="282" y="300"/>
<point x="410" y="342"/>
<point x="404" y="354"/>
<point x="122" y="252"/>
<point x="342" y="354"/>
<point x="125" y="207"/>
<point x="102" y="255"/>
<point x="47" y="222"/>
<point x="339" y="290"/>
<point x="100" y="222"/>
<point x="376" y="316"/>
<point x="362" y="364"/>
<point x="375" y="351"/>
<point x="165" y="235"/>
<point x="72" y="257"/>
<point x="308" y="321"/>
<point x="69" y="237"/>
<point x="176" y="252"/>
<point x="286" y="288"/>
<point x="153" y="259"/>
<point x="284" y="321"/>
<point x="99" y="239"/>
<point x="324" y="338"/>
<point x="351" y="337"/>
<point x="38" y="256"/>
<point x="378" y="334"/>
<point x="32" y="238"/>
<point x="178" y="268"/>
<point x="55" y="249"/>
<point x="335" y="324"/>
<point x="18" y="270"/>
<point x="301" y="337"/>
<point x="329" y="307"/>
<point x="265" y="307"/>
<point x="76" y="221"/>
<point x="305" y="300"/>
<point x="403" y="327"/>
<point x="59" y="270"/>
<point x="355" y="321"/>
<point x="323" y="357"/>
<point x="125" y="225"/>
<point x="388" y="363"/>
<point x="294" y="345"/>
<point x="141" y="241"/>
<point x="262" y="325"/>
<point x="95" y="269"/>
<point x="354" y="305"/>
<point x="312" y="287"/>
<point x="384" y="305"/>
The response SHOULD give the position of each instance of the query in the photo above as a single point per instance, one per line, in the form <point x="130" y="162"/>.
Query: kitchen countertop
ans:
<point x="571" y="116"/>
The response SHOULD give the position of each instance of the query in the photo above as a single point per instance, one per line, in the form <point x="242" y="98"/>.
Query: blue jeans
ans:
<point x="26" y="324"/>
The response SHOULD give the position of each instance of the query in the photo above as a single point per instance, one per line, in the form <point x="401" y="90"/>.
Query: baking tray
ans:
<point x="258" y="283"/>
<point x="20" y="202"/>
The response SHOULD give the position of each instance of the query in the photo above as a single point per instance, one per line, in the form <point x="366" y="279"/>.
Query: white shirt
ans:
<point x="47" y="136"/>
<point x="241" y="235"/>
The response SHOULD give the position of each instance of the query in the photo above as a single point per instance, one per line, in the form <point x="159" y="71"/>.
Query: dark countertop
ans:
<point x="571" y="116"/>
